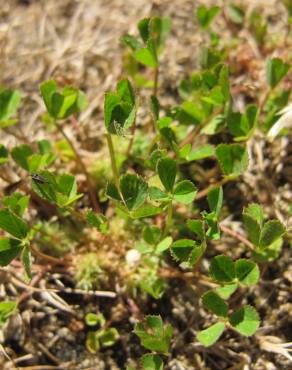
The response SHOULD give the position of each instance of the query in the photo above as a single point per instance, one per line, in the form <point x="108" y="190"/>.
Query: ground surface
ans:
<point x="77" y="42"/>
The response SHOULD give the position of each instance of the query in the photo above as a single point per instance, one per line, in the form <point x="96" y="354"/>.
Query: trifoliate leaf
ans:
<point x="154" y="335"/>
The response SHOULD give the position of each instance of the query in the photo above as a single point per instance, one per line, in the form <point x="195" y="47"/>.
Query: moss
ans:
<point x="89" y="272"/>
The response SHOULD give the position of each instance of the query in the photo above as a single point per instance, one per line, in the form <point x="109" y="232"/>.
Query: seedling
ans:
<point x="156" y="337"/>
<point x="102" y="337"/>
<point x="230" y="275"/>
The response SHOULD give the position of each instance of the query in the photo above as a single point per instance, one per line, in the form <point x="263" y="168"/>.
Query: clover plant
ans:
<point x="157" y="196"/>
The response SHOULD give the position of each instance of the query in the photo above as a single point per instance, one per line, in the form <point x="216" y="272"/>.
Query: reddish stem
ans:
<point x="237" y="236"/>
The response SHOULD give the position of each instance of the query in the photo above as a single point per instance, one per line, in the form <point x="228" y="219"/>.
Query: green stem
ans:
<point x="90" y="187"/>
<point x="169" y="215"/>
<point x="113" y="159"/>
<point x="131" y="142"/>
<point x="262" y="103"/>
<point x="155" y="86"/>
<point x="153" y="142"/>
